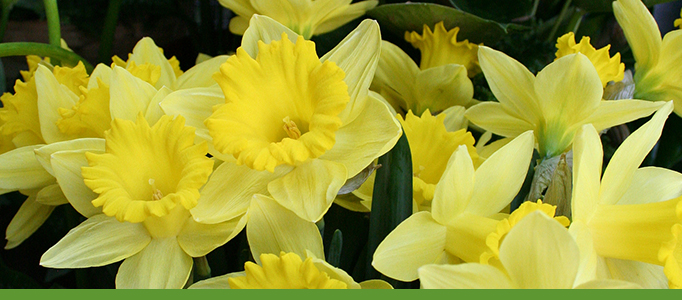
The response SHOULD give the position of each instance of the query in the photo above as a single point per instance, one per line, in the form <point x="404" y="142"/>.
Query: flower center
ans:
<point x="156" y="193"/>
<point x="303" y="96"/>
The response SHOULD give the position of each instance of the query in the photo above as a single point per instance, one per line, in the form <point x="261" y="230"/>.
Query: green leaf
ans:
<point x="391" y="198"/>
<point x="498" y="10"/>
<point x="399" y="18"/>
<point x="334" y="256"/>
<point x="606" y="5"/>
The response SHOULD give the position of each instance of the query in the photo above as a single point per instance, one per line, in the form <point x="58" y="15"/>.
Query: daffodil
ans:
<point x="565" y="95"/>
<point x="655" y="78"/>
<point x="298" y="137"/>
<point x="405" y="87"/>
<point x="300" y="265"/>
<point x="440" y="47"/>
<point x="538" y="253"/>
<point x="629" y="212"/>
<point x="608" y="68"/>
<point x="460" y="219"/>
<point x="146" y="181"/>
<point x="431" y="146"/>
<point x="305" y="17"/>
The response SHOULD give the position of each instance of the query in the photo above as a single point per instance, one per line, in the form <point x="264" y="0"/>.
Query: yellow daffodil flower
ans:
<point x="655" y="78"/>
<point x="305" y="17"/>
<point x="608" y="68"/>
<point x="440" y="47"/>
<point x="406" y="87"/>
<point x="538" y="253"/>
<point x="565" y="95"/>
<point x="629" y="212"/>
<point x="459" y="221"/>
<point x="431" y="146"/>
<point x="299" y="137"/>
<point x="274" y="229"/>
<point x="146" y="181"/>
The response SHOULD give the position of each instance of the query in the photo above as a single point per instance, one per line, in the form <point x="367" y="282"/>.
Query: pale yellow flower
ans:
<point x="305" y="17"/>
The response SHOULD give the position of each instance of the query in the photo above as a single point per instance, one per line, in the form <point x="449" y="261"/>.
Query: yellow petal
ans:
<point x="539" y="253"/>
<point x="310" y="188"/>
<point x="228" y="192"/>
<point x="500" y="177"/>
<point x="51" y="195"/>
<point x="341" y="275"/>
<point x="589" y="259"/>
<point x="201" y="75"/>
<point x="218" y="282"/>
<point x="67" y="167"/>
<point x="153" y="112"/>
<point x="454" y="189"/>
<point x="608" y="284"/>
<point x="587" y="166"/>
<point x="101" y="72"/>
<point x="417" y="241"/>
<point x="629" y="156"/>
<point x="464" y="276"/>
<point x="197" y="110"/>
<point x="350" y="13"/>
<point x="273" y="229"/>
<point x="30" y="216"/>
<point x="238" y="25"/>
<point x="395" y="77"/>
<point x="265" y="29"/>
<point x="51" y="96"/>
<point x="20" y="170"/>
<point x="649" y="276"/>
<point x="440" y="47"/>
<point x="129" y="94"/>
<point x="612" y="113"/>
<point x="454" y="118"/>
<point x="375" y="284"/>
<point x="357" y="55"/>
<point x="641" y="31"/>
<point x="493" y="117"/>
<point x="512" y="84"/>
<point x="375" y="129"/>
<point x="198" y="239"/>
<point x="143" y="270"/>
<point x="443" y="86"/>
<point x="146" y="51"/>
<point x="98" y="241"/>
<point x="652" y="184"/>
<point x="43" y="153"/>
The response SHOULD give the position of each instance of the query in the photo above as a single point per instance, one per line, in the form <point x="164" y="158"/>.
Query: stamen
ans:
<point x="156" y="193"/>
<point x="291" y="129"/>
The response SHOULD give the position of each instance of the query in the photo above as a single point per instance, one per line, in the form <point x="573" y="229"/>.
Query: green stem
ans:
<point x="201" y="269"/>
<point x="4" y="21"/>
<point x="67" y="57"/>
<point x="557" y="23"/>
<point x="53" y="27"/>
<point x="107" y="39"/>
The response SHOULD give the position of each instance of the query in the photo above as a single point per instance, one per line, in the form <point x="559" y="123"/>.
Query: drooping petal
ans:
<point x="464" y="276"/>
<point x="417" y="241"/>
<point x="540" y="253"/>
<point x="143" y="270"/>
<point x="612" y="113"/>
<point x="51" y="96"/>
<point x="265" y="29"/>
<point x="587" y="161"/>
<point x="641" y="31"/>
<point x="310" y="188"/>
<point x="98" y="241"/>
<point x="20" y="170"/>
<point x="492" y="117"/>
<point x="198" y="239"/>
<point x="129" y="94"/>
<point x="357" y="55"/>
<point x="228" y="192"/>
<point x="500" y="177"/>
<point x="629" y="156"/>
<point x="30" y="216"/>
<point x="370" y="135"/>
<point x="67" y="167"/>
<point x="273" y="229"/>
<point x="43" y="153"/>
<point x="454" y="189"/>
<point x="201" y="75"/>
<point x="512" y="84"/>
